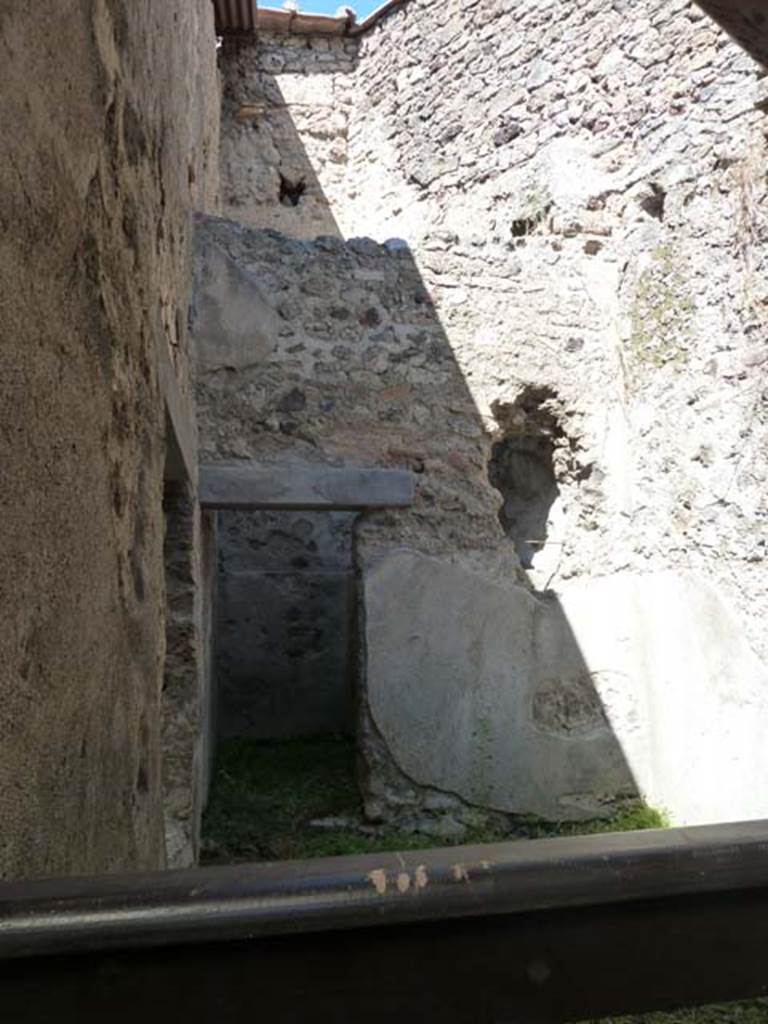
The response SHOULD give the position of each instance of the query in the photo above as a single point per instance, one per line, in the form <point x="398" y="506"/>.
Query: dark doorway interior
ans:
<point x="285" y="624"/>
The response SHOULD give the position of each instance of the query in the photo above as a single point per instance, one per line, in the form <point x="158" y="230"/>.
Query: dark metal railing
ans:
<point x="547" y="930"/>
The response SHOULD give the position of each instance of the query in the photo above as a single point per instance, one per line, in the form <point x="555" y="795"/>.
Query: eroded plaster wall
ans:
<point x="188" y="705"/>
<point x="110" y="115"/>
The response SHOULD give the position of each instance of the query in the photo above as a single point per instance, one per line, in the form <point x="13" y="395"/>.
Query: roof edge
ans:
<point x="376" y="16"/>
<point x="251" y="18"/>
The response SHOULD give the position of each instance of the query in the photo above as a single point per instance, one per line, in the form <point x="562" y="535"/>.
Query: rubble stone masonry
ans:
<point x="539" y="284"/>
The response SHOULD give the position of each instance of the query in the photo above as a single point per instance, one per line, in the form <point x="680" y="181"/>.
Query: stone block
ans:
<point x="249" y="485"/>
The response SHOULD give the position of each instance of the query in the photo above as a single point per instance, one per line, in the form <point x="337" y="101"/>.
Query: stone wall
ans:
<point x="569" y="203"/>
<point x="109" y="139"/>
<point x="285" y="122"/>
<point x="583" y="190"/>
<point x="189" y="692"/>
<point x="348" y="365"/>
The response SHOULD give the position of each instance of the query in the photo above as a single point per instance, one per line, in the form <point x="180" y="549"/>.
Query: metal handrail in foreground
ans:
<point x="544" y="930"/>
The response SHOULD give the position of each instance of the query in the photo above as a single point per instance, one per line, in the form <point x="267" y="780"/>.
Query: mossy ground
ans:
<point x="265" y="795"/>
<point x="754" y="1011"/>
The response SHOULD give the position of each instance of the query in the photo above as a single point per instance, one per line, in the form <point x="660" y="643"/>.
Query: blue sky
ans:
<point x="363" y="7"/>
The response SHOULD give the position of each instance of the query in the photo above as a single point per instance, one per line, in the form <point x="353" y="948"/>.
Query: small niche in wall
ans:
<point x="290" y="192"/>
<point x="522" y="469"/>
<point x="654" y="200"/>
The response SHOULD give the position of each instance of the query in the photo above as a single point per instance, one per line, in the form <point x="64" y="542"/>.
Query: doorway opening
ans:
<point x="287" y="658"/>
<point x="285" y="624"/>
<point x="286" y="672"/>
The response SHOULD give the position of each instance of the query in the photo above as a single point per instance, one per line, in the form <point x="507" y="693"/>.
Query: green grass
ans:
<point x="754" y="1011"/>
<point x="265" y="795"/>
<point x="633" y="817"/>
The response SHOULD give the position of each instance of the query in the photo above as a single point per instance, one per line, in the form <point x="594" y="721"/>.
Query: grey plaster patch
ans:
<point x="556" y="705"/>
<point x="454" y="666"/>
<point x="234" y="324"/>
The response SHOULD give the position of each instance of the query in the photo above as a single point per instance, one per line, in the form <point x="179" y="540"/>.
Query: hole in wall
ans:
<point x="524" y="226"/>
<point x="286" y="657"/>
<point x="653" y="203"/>
<point x="522" y="469"/>
<point x="291" y="192"/>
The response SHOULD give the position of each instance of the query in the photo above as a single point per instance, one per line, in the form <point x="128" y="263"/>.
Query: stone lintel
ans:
<point x="248" y="485"/>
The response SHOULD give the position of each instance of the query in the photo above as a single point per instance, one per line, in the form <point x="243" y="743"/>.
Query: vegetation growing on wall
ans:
<point x="661" y="313"/>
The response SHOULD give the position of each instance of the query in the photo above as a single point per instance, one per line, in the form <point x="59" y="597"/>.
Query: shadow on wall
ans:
<point x="269" y="179"/>
<point x="479" y="685"/>
<point x="458" y="646"/>
<point x="286" y="608"/>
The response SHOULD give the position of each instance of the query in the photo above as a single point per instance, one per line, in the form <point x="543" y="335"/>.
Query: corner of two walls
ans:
<point x="188" y="701"/>
<point x="570" y="205"/>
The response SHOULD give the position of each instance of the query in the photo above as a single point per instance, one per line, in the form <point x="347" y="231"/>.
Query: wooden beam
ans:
<point x="247" y="485"/>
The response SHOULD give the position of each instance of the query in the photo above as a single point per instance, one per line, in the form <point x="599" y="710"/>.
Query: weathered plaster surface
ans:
<point x="628" y="684"/>
<point x="109" y="139"/>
